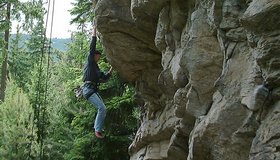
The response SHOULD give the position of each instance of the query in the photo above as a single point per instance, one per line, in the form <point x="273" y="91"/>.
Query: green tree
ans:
<point x="70" y="130"/>
<point x="19" y="11"/>
<point x="20" y="63"/>
<point x="16" y="118"/>
<point x="122" y="112"/>
<point x="82" y="11"/>
<point x="18" y="58"/>
<point x="4" y="68"/>
<point x="37" y="72"/>
<point x="56" y="124"/>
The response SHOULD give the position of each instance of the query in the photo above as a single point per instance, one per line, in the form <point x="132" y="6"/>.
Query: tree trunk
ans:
<point x="4" y="73"/>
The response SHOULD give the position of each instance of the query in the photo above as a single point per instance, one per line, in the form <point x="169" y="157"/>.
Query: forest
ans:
<point x="40" y="117"/>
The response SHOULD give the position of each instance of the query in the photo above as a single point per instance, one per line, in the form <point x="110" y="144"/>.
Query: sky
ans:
<point x="62" y="18"/>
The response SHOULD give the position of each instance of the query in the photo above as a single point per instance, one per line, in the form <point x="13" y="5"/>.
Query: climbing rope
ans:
<point x="47" y="79"/>
<point x="40" y="109"/>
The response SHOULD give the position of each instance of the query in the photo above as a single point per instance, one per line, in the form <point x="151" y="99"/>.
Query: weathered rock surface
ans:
<point x="198" y="65"/>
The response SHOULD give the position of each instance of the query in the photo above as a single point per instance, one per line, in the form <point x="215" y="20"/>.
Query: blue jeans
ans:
<point x="97" y="101"/>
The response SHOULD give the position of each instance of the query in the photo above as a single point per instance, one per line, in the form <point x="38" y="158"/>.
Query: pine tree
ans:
<point x="4" y="68"/>
<point x="14" y="10"/>
<point x="83" y="12"/>
<point x="20" y="63"/>
<point x="16" y="123"/>
<point x="54" y="124"/>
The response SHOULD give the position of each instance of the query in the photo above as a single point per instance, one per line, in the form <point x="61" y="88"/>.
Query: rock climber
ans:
<point x="92" y="77"/>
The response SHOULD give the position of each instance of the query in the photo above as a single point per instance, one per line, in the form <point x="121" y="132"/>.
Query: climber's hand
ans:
<point x="110" y="70"/>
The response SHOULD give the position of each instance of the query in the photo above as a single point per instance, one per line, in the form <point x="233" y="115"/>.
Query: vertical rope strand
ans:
<point x="46" y="84"/>
<point x="37" y="107"/>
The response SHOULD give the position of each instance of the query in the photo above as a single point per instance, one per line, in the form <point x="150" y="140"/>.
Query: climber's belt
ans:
<point x="91" y="88"/>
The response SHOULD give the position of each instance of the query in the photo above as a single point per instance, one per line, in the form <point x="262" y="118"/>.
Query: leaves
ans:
<point x="83" y="12"/>
<point x="16" y="123"/>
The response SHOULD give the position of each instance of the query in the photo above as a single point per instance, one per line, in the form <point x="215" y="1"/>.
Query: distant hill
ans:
<point x="57" y="43"/>
<point x="60" y="44"/>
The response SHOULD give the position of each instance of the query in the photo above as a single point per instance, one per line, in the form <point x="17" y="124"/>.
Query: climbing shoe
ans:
<point x="99" y="135"/>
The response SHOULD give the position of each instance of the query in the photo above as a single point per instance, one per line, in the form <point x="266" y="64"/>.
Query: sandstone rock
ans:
<point x="202" y="63"/>
<point x="199" y="27"/>
<point x="275" y="94"/>
<point x="237" y="35"/>
<point x="166" y="81"/>
<point x="145" y="13"/>
<point x="177" y="147"/>
<point x="249" y="128"/>
<point x="179" y="75"/>
<point x="111" y="13"/>
<point x="267" y="58"/>
<point x="266" y="144"/>
<point x="259" y="98"/>
<point x="180" y="100"/>
<point x="195" y="65"/>
<point x="256" y="16"/>
<point x="178" y="13"/>
<point x="162" y="29"/>
<point x="212" y="136"/>
<point x="231" y="11"/>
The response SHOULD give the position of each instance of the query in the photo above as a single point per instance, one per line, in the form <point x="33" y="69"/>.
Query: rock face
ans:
<point x="207" y="72"/>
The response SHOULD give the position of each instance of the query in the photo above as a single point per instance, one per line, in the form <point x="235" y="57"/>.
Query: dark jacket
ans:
<point x="92" y="71"/>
